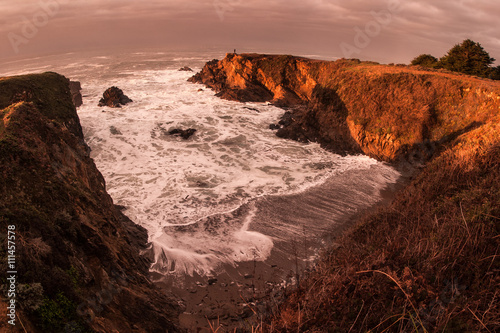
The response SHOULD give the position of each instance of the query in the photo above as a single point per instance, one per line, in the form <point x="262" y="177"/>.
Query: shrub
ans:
<point x="425" y="60"/>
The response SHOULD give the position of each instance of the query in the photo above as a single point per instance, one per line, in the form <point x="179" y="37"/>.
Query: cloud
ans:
<point x="315" y="25"/>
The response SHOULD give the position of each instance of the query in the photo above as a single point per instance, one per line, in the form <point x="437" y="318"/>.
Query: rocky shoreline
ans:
<point x="395" y="114"/>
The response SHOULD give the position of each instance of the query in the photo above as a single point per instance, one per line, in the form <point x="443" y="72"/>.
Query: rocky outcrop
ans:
<point x="114" y="98"/>
<point x="78" y="254"/>
<point x="185" y="69"/>
<point x="392" y="113"/>
<point x="185" y="134"/>
<point x="231" y="82"/>
<point x="75" y="88"/>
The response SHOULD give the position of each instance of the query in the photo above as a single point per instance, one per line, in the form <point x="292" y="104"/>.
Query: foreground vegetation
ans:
<point x="429" y="262"/>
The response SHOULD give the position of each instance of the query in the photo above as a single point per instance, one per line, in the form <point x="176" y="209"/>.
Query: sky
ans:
<point x="387" y="31"/>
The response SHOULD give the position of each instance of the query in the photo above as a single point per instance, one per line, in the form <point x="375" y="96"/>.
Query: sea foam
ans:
<point x="226" y="194"/>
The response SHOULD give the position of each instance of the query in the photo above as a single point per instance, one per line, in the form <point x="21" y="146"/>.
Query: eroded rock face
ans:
<point x="236" y="84"/>
<point x="74" y="244"/>
<point x="348" y="106"/>
<point x="114" y="98"/>
<point x="75" y="87"/>
<point x="284" y="81"/>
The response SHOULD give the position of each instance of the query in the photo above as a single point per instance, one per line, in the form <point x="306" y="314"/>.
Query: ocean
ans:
<point x="229" y="197"/>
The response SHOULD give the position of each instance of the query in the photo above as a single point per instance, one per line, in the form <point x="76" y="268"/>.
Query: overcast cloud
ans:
<point x="328" y="28"/>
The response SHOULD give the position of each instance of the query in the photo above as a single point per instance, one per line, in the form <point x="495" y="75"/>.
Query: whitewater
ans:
<point x="231" y="193"/>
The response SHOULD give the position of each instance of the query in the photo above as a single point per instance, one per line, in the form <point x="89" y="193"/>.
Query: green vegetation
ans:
<point x="59" y="315"/>
<point x="468" y="57"/>
<point x="425" y="60"/>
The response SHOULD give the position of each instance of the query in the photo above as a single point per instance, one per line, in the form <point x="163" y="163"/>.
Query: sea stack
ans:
<point x="114" y="98"/>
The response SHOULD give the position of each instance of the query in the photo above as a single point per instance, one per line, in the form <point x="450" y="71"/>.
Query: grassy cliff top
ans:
<point x="49" y="92"/>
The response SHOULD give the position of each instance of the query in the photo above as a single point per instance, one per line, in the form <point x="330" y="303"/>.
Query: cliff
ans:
<point x="392" y="113"/>
<point x="428" y="262"/>
<point x="77" y="255"/>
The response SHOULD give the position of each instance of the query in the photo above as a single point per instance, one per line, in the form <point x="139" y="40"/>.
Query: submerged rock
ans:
<point x="114" y="98"/>
<point x="185" y="134"/>
<point x="274" y="127"/>
<point x="185" y="69"/>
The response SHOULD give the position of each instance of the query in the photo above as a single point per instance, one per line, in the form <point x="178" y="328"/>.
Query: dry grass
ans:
<point x="429" y="262"/>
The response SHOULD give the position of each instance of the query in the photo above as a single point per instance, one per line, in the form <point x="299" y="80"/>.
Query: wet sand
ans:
<point x="301" y="225"/>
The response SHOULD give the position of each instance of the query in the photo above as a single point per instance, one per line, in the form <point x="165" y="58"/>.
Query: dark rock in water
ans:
<point x="286" y="119"/>
<point x="114" y="98"/>
<point x="75" y="88"/>
<point x="252" y="109"/>
<point x="115" y="131"/>
<point x="185" y="134"/>
<point x="185" y="69"/>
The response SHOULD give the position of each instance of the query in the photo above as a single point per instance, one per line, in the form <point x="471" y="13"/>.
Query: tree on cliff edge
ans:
<point x="469" y="58"/>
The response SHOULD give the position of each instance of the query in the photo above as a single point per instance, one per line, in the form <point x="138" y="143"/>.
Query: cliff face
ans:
<point x="387" y="112"/>
<point x="77" y="255"/>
